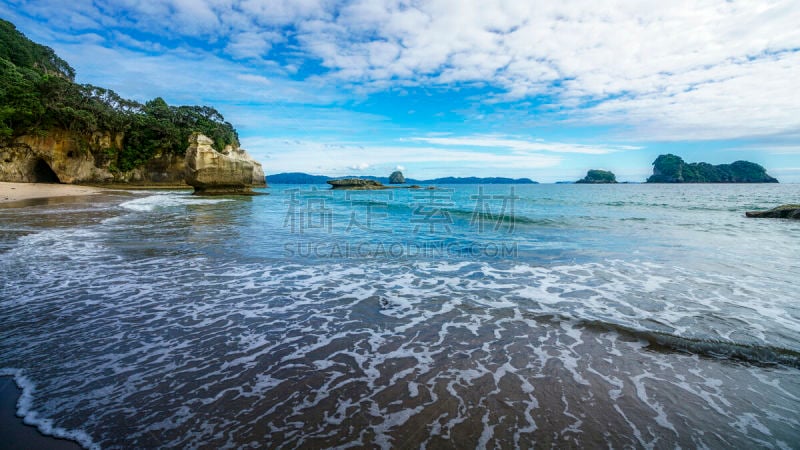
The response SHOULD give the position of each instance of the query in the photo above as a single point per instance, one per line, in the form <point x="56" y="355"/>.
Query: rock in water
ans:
<point x="356" y="184"/>
<point x="673" y="169"/>
<point x="781" y="212"/>
<point x="596" y="176"/>
<point x="210" y="172"/>
<point x="397" y="178"/>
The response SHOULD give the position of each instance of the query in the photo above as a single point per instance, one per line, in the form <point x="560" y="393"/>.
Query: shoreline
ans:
<point x="18" y="192"/>
<point x="11" y="192"/>
<point x="14" y="432"/>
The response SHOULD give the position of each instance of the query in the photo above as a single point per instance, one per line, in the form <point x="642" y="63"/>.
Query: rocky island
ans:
<point x="397" y="177"/>
<point x="596" y="176"/>
<point x="673" y="169"/>
<point x="781" y="212"/>
<point x="54" y="130"/>
<point x="356" y="184"/>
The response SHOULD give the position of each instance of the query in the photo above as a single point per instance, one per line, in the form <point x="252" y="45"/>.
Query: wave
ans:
<point x="488" y="219"/>
<point x="504" y="220"/>
<point x="752" y="354"/>
<point x="31" y="417"/>
<point x="153" y="202"/>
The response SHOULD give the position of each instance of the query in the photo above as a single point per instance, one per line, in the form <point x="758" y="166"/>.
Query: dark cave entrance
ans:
<point x="42" y="173"/>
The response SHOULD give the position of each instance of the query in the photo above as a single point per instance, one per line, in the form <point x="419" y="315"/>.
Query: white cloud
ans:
<point x="665" y="70"/>
<point x="252" y="44"/>
<point x="360" y="166"/>
<point x="400" y="168"/>
<point x="521" y="145"/>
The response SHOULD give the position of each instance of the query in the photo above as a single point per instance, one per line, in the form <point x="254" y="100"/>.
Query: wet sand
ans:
<point x="15" y="192"/>
<point x="14" y="434"/>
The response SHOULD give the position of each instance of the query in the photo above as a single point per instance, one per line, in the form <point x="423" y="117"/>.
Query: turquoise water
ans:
<point x="644" y="316"/>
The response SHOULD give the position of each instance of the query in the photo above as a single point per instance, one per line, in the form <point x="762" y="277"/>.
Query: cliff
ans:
<point x="597" y="176"/>
<point x="55" y="130"/>
<point x="61" y="156"/>
<point x="672" y="169"/>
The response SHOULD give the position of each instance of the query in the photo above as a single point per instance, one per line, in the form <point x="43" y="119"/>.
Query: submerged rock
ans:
<point x="355" y="184"/>
<point x="781" y="212"/>
<point x="397" y="178"/>
<point x="210" y="172"/>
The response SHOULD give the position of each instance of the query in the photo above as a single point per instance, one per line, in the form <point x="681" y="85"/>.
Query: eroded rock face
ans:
<point x="55" y="157"/>
<point x="63" y="157"/>
<point x="356" y="184"/>
<point x="210" y="172"/>
<point x="781" y="212"/>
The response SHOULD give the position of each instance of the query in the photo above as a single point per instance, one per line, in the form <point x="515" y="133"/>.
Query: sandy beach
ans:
<point x="14" y="192"/>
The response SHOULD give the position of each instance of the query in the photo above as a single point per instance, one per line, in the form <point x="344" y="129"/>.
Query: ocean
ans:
<point x="621" y="316"/>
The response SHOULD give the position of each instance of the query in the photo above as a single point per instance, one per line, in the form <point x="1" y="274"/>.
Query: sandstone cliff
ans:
<point x="231" y="171"/>
<point x="59" y="156"/>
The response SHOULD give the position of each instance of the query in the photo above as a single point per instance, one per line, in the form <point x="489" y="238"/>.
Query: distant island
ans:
<point x="673" y="169"/>
<point x="596" y="176"/>
<point x="304" y="178"/>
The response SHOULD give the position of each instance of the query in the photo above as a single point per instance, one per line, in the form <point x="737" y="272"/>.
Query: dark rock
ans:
<point x="356" y="184"/>
<point x="781" y="212"/>
<point x="397" y="177"/>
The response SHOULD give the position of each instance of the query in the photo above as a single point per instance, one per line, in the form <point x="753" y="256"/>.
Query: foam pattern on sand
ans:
<point x="131" y="349"/>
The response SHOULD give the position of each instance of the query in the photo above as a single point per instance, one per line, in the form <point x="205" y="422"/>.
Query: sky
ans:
<point x="542" y="90"/>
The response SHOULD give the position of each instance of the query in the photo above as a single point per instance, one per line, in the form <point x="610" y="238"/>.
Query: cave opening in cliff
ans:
<point x="42" y="173"/>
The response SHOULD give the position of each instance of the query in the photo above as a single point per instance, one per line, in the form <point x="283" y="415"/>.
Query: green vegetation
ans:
<point x="672" y="169"/>
<point x="38" y="94"/>
<point x="596" y="176"/>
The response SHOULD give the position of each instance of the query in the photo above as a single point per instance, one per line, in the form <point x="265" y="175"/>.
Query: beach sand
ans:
<point x="16" y="192"/>
<point x="14" y="434"/>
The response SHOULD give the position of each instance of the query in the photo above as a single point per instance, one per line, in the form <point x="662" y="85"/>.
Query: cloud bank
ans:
<point x="681" y="69"/>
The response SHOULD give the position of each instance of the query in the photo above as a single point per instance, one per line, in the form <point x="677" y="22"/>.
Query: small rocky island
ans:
<point x="397" y="177"/>
<point x="231" y="171"/>
<point x="597" y="176"/>
<point x="781" y="212"/>
<point x="673" y="169"/>
<point x="356" y="184"/>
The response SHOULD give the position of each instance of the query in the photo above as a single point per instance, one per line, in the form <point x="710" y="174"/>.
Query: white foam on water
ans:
<point x="32" y="417"/>
<point x="290" y="343"/>
<point x="168" y="200"/>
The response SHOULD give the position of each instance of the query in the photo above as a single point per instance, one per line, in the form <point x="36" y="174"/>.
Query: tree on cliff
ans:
<point x="38" y="94"/>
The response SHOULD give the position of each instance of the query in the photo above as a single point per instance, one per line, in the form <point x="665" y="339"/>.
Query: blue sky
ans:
<point x="544" y="90"/>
